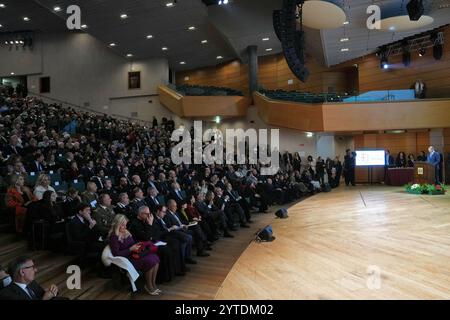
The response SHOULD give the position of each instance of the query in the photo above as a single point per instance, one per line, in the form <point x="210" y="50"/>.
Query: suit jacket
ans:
<point x="88" y="197"/>
<point x="125" y="210"/>
<point x="14" y="292"/>
<point x="177" y="197"/>
<point x="104" y="218"/>
<point x="80" y="231"/>
<point x="434" y="158"/>
<point x="35" y="167"/>
<point x="152" y="203"/>
<point x="170" y="220"/>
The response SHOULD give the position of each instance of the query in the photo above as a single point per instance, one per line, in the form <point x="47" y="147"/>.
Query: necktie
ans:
<point x="178" y="220"/>
<point x="31" y="293"/>
<point x="156" y="200"/>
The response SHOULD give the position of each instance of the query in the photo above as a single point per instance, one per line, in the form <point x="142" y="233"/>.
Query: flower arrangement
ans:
<point x="426" y="188"/>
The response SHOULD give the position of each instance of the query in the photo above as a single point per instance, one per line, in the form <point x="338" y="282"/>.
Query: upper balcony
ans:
<point x="345" y="115"/>
<point x="203" y="105"/>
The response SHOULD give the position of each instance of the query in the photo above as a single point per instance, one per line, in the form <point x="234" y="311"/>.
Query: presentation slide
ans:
<point x="370" y="158"/>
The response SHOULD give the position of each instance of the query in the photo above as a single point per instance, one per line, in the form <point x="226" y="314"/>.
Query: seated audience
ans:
<point x="104" y="214"/>
<point x="19" y="197"/>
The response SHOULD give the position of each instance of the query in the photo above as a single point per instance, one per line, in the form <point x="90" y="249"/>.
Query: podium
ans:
<point x="424" y="172"/>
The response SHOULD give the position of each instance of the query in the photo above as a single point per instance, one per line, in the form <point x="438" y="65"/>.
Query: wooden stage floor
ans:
<point x="364" y="242"/>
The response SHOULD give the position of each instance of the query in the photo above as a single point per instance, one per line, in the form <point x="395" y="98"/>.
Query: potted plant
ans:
<point x="436" y="189"/>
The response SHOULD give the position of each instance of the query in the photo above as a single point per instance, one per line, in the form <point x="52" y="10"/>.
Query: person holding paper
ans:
<point x="144" y="228"/>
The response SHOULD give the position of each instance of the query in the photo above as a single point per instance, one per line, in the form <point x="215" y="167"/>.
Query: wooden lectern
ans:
<point x="424" y="172"/>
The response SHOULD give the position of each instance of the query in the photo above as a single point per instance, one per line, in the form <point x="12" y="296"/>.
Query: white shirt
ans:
<point x="39" y="191"/>
<point x="23" y="286"/>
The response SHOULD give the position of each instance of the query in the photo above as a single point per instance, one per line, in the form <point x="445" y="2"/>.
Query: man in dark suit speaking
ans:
<point x="23" y="286"/>
<point x="434" y="158"/>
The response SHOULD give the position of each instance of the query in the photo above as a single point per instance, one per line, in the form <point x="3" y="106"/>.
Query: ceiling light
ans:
<point x="344" y="39"/>
<point x="1" y="26"/>
<point x="57" y="9"/>
<point x="346" y="23"/>
<point x="26" y="19"/>
<point x="129" y="55"/>
<point x="182" y="62"/>
<point x="269" y="49"/>
<point x="84" y="26"/>
<point x="344" y="49"/>
<point x="170" y="4"/>
<point x="149" y="36"/>
<point x="219" y="57"/>
<point x="2" y="5"/>
<point x="123" y="16"/>
<point x="112" y="44"/>
<point x="164" y="48"/>
<point x="309" y="134"/>
<point x="12" y="73"/>
<point x="191" y="28"/>
<point x="392" y="28"/>
<point x="222" y="2"/>
<point x="204" y="41"/>
<point x="265" y="39"/>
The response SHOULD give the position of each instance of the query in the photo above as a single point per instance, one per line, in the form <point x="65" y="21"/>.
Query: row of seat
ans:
<point x="304" y="97"/>
<point x="193" y="90"/>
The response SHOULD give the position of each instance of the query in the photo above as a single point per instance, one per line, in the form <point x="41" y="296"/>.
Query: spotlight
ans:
<point x="406" y="54"/>
<point x="422" y="52"/>
<point x="438" y="40"/>
<point x="383" y="53"/>
<point x="415" y="9"/>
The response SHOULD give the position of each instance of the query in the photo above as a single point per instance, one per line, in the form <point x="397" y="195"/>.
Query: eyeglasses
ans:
<point x="33" y="266"/>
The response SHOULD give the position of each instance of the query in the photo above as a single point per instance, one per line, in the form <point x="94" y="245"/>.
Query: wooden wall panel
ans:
<point x="409" y="142"/>
<point x="434" y="73"/>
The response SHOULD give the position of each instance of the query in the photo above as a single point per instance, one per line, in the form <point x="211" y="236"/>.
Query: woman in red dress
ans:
<point x="18" y="197"/>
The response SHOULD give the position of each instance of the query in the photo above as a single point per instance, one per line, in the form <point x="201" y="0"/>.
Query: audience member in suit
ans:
<point x="401" y="161"/>
<point x="104" y="214"/>
<point x="38" y="164"/>
<point x="178" y="217"/>
<point x="162" y="185"/>
<point x="108" y="188"/>
<point x="434" y="159"/>
<point x="152" y="199"/>
<point x="207" y="225"/>
<point x="84" y="229"/>
<point x="123" y="186"/>
<point x="13" y="148"/>
<point x="209" y="212"/>
<point x="23" y="286"/>
<point x="176" y="194"/>
<point x="123" y="206"/>
<point x="88" y="171"/>
<point x="138" y="200"/>
<point x="173" y="232"/>
<point x="235" y="214"/>
<point x="297" y="162"/>
<point x="236" y="198"/>
<point x="71" y="203"/>
<point x="90" y="195"/>
<point x="143" y="228"/>
<point x="389" y="161"/>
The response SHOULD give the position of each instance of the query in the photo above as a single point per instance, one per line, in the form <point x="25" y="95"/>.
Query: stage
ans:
<point x="364" y="242"/>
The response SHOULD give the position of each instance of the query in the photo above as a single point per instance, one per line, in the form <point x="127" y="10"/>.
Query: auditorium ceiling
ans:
<point x="151" y="26"/>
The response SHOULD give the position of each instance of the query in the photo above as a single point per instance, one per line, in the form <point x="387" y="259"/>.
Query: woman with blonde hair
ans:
<point x="19" y="197"/>
<point x="142" y="255"/>
<point x="42" y="185"/>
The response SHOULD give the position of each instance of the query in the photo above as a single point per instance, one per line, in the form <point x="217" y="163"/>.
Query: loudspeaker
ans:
<point x="282" y="213"/>
<point x="438" y="51"/>
<point x="276" y="16"/>
<point x="415" y="9"/>
<point x="292" y="40"/>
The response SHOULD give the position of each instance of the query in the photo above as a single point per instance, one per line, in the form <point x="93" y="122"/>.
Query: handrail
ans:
<point x="121" y="117"/>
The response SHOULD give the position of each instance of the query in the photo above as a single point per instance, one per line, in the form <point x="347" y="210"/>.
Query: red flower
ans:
<point x="438" y="187"/>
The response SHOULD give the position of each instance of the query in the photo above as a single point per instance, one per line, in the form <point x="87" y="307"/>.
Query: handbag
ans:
<point x="143" y="250"/>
